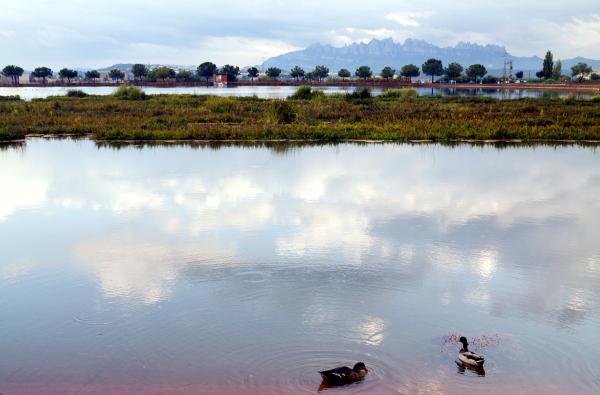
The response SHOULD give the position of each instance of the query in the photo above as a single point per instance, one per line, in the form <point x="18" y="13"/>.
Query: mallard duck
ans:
<point x="468" y="357"/>
<point x="344" y="375"/>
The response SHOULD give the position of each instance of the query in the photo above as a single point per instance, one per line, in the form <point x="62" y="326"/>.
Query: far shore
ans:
<point x="587" y="87"/>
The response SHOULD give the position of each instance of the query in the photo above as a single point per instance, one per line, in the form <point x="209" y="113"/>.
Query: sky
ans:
<point x="94" y="34"/>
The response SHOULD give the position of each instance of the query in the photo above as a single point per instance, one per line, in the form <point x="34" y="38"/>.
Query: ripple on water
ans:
<point x="295" y="369"/>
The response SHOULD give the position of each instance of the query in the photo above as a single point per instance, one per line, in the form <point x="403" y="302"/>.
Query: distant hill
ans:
<point x="380" y="53"/>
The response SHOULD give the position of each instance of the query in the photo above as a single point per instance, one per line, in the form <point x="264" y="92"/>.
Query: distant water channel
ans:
<point x="246" y="269"/>
<point x="29" y="93"/>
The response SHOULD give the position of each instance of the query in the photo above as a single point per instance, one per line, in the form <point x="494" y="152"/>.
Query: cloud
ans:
<point x="408" y="19"/>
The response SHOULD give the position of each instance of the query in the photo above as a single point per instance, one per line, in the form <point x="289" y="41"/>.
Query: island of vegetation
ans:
<point x="396" y="115"/>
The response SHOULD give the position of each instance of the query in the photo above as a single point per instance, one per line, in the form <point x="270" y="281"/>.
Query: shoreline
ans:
<point x="90" y="137"/>
<point x="564" y="87"/>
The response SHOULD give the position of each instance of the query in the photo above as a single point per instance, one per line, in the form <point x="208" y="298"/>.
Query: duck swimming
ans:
<point x="467" y="357"/>
<point x="344" y="375"/>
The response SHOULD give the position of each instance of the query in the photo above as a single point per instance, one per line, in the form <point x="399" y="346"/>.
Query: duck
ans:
<point x="467" y="357"/>
<point x="344" y="375"/>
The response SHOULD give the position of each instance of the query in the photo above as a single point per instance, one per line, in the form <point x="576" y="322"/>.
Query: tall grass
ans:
<point x="331" y="118"/>
<point x="125" y="92"/>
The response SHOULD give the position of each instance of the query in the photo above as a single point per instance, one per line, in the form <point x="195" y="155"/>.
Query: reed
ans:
<point x="396" y="116"/>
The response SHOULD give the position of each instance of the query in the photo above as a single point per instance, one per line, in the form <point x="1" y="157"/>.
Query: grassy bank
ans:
<point x="399" y="116"/>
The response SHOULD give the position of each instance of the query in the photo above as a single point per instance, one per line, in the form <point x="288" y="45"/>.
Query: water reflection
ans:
<point x="282" y="92"/>
<point x="275" y="262"/>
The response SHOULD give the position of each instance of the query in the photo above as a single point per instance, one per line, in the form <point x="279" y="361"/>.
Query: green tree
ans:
<point x="363" y="72"/>
<point x="557" y="70"/>
<point x="273" y="72"/>
<point x="311" y="76"/>
<point x="409" y="71"/>
<point x="344" y="73"/>
<point x="453" y="71"/>
<point x="42" y="72"/>
<point x="184" y="76"/>
<point x="92" y="75"/>
<point x="387" y="72"/>
<point x="252" y="73"/>
<point x="476" y="71"/>
<point x="139" y="71"/>
<point x="116" y="75"/>
<point x="231" y="71"/>
<point x="206" y="71"/>
<point x="519" y="75"/>
<point x="67" y="74"/>
<point x="297" y="72"/>
<point x="595" y="77"/>
<point x="433" y="67"/>
<point x="321" y="72"/>
<point x="161" y="73"/>
<point x="548" y="65"/>
<point x="580" y="70"/>
<point x="13" y="72"/>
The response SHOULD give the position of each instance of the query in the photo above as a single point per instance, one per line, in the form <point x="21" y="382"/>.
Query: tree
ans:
<point x="548" y="65"/>
<point x="310" y="76"/>
<point x="409" y="71"/>
<point x="92" y="75"/>
<point x="184" y="76"/>
<point x="206" y="71"/>
<point x="42" y="72"/>
<point x="161" y="73"/>
<point x="116" y="75"/>
<point x="519" y="75"/>
<point x="13" y="72"/>
<point x="453" y="71"/>
<point x="580" y="70"/>
<point x="139" y="71"/>
<point x="321" y="72"/>
<point x="67" y="74"/>
<point x="557" y="70"/>
<point x="540" y="74"/>
<point x="595" y="77"/>
<point x="252" y="73"/>
<point x="387" y="72"/>
<point x="273" y="72"/>
<point x="297" y="72"/>
<point x="344" y="73"/>
<point x="363" y="72"/>
<point x="433" y="67"/>
<point x="475" y="71"/>
<point x="231" y="71"/>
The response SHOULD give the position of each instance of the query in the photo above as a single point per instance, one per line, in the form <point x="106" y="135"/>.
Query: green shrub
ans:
<point x="10" y="98"/>
<point x="130" y="93"/>
<point x="360" y="94"/>
<point x="76" y="93"/>
<point x="596" y="99"/>
<point x="404" y="94"/>
<point x="281" y="112"/>
<point x="303" y="92"/>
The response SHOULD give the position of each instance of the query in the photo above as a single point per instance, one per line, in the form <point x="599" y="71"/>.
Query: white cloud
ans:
<point x="408" y="19"/>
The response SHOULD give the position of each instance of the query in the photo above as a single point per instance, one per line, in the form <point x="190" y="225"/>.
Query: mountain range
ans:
<point x="386" y="52"/>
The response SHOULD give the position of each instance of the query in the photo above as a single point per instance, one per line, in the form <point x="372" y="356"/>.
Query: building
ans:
<point x="220" y="80"/>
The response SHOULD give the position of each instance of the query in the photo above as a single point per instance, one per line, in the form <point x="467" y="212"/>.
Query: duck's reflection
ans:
<point x="464" y="369"/>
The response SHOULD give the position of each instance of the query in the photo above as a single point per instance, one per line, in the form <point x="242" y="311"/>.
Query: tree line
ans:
<point x="552" y="70"/>
<point x="432" y="68"/>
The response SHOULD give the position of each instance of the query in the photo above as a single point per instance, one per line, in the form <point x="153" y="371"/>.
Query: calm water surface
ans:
<point x="278" y="92"/>
<point x="247" y="269"/>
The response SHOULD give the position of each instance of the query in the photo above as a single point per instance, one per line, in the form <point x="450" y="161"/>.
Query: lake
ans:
<point x="280" y="92"/>
<point x="229" y="269"/>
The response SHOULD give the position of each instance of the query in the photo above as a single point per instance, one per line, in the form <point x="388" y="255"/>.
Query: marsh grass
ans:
<point x="330" y="118"/>
<point x="125" y="92"/>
